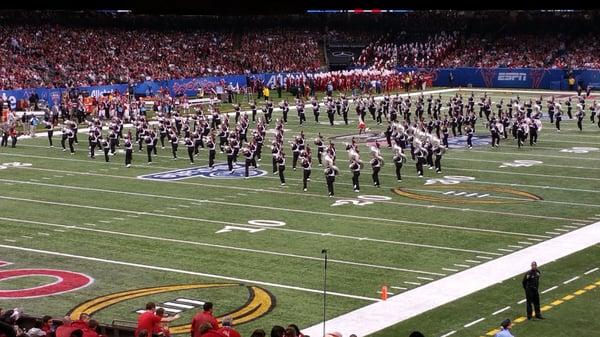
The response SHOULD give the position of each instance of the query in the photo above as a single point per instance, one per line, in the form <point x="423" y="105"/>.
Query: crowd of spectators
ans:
<point x="83" y="49"/>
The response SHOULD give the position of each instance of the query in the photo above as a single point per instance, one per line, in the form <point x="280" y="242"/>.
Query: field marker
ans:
<point x="178" y="305"/>
<point x="591" y="271"/>
<point x="58" y="176"/>
<point x="484" y="257"/>
<point x="561" y="230"/>
<point x="171" y="208"/>
<point x="90" y="224"/>
<point x="449" y="333"/>
<point x="450" y="269"/>
<point x="33" y="180"/>
<point x="533" y="239"/>
<point x="262" y="251"/>
<point x="158" y="211"/>
<point x="474" y="322"/>
<point x="515" y="246"/>
<point x="104" y="221"/>
<point x="44" y="234"/>
<point x="568" y="297"/>
<point x="524" y="242"/>
<point x="175" y="311"/>
<point x="26" y="237"/>
<point x="58" y="230"/>
<point x="506" y="250"/>
<point x="425" y="278"/>
<point x="571" y="280"/>
<point x="399" y="288"/>
<point x="413" y="283"/>
<point x="579" y="292"/>
<point x="579" y="224"/>
<point x="501" y="310"/>
<point x="184" y="206"/>
<point x="132" y="216"/>
<point x="46" y="178"/>
<point x="522" y="301"/>
<point x="473" y="261"/>
<point x="116" y="218"/>
<point x="549" y="289"/>
<point x="188" y="272"/>
<point x="553" y="233"/>
<point x="9" y="240"/>
<point x="185" y="300"/>
<point x="462" y="265"/>
<point x="590" y="287"/>
<point x="572" y="227"/>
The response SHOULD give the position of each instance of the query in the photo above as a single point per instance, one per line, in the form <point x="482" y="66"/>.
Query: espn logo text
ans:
<point x="512" y="77"/>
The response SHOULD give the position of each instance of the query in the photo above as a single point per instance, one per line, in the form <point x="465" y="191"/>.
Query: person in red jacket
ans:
<point x="82" y="322"/>
<point x="206" y="316"/>
<point x="65" y="329"/>
<point x="150" y="321"/>
<point x="90" y="331"/>
<point x="227" y="330"/>
<point x="206" y="330"/>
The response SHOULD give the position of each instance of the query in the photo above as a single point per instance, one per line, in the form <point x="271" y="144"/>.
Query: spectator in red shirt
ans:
<point x="163" y="328"/>
<point x="90" y="331"/>
<point x="206" y="330"/>
<point x="206" y="316"/>
<point x="47" y="324"/>
<point x="149" y="321"/>
<point x="65" y="329"/>
<point x="82" y="322"/>
<point x="227" y="330"/>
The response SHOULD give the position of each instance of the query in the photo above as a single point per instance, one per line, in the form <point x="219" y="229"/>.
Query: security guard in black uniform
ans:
<point x="531" y="283"/>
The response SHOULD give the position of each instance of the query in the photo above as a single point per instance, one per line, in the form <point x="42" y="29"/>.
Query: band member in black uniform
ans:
<point x="399" y="160"/>
<point x="104" y="143"/>
<point x="71" y="138"/>
<point x="420" y="156"/>
<point x="190" y="149"/>
<point x="580" y="114"/>
<point x="230" y="157"/>
<point x="212" y="152"/>
<point x="569" y="108"/>
<point x="331" y="114"/>
<point x="94" y="138"/>
<point x="320" y="148"/>
<point x="128" y="150"/>
<point x="495" y="133"/>
<point x="295" y="153"/>
<point x="281" y="166"/>
<point x="533" y="133"/>
<point x="253" y="108"/>
<point x="162" y="130"/>
<point x="112" y="138"/>
<point x="558" y="118"/>
<point x="307" y="167"/>
<point x="445" y="134"/>
<point x="149" y="146"/>
<point x="285" y="109"/>
<point x="531" y="284"/>
<point x="174" y="143"/>
<point x="50" y="128"/>
<point x="469" y="132"/>
<point x="376" y="164"/>
<point x="330" y="172"/>
<point x="315" y="105"/>
<point x="249" y="160"/>
<point x="438" y="151"/>
<point x="355" y="166"/>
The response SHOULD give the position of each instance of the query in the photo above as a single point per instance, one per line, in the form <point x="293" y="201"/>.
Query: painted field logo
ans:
<point x="461" y="141"/>
<point x="219" y="171"/>
<point x="367" y="137"/>
<point x="65" y="281"/>
<point x="259" y="303"/>
<point x="467" y="194"/>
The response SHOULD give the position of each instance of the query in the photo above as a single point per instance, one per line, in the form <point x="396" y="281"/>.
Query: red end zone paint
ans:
<point x="4" y="263"/>
<point x="65" y="281"/>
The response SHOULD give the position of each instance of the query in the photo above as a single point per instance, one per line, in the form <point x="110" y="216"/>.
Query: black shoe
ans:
<point x="529" y="318"/>
<point x="540" y="317"/>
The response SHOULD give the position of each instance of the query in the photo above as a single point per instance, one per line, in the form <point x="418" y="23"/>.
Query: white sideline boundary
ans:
<point x="378" y="316"/>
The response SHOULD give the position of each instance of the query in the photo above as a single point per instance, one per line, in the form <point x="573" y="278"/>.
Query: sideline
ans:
<point x="381" y="315"/>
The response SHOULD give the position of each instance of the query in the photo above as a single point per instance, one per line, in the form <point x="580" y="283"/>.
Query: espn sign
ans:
<point x="512" y="77"/>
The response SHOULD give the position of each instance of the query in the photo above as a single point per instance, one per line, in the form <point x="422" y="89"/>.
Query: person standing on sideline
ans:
<point x="206" y="316"/>
<point x="531" y="283"/>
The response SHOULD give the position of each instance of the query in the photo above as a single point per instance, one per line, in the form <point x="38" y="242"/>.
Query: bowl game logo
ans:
<point x="461" y="141"/>
<point x="219" y="171"/>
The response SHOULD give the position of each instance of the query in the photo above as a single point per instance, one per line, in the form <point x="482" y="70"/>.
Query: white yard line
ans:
<point x="450" y="269"/>
<point x="549" y="289"/>
<point x="501" y="310"/>
<point x="375" y="317"/>
<point x="196" y="243"/>
<point x="522" y="301"/>
<point x="571" y="280"/>
<point x="591" y="271"/>
<point x="474" y="322"/>
<point x="187" y="272"/>
<point x="449" y="333"/>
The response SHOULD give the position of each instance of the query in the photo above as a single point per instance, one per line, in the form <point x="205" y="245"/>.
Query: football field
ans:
<point x="82" y="235"/>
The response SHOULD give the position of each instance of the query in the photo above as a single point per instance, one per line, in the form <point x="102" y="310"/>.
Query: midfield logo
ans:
<point x="512" y="77"/>
<point x="220" y="171"/>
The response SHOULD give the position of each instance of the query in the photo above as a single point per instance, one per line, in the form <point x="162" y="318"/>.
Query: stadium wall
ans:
<point x="519" y="78"/>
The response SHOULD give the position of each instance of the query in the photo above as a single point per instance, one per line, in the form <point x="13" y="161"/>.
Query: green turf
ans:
<point x="390" y="242"/>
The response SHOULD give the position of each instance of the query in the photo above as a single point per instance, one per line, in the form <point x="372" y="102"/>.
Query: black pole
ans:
<point x="324" y="251"/>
